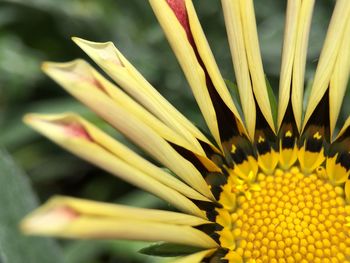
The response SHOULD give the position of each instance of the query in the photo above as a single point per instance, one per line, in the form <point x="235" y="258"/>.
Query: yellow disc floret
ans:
<point x="293" y="218"/>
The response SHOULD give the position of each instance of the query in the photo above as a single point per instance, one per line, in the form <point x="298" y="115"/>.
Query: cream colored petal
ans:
<point x="112" y="61"/>
<point x="127" y="155"/>
<point x="296" y="36"/>
<point x="73" y="137"/>
<point x="186" y="56"/>
<point x="107" y="210"/>
<point x="129" y="125"/>
<point x="304" y="26"/>
<point x="78" y="74"/>
<point x="208" y="59"/>
<point x="329" y="54"/>
<point x="339" y="79"/>
<point x="196" y="257"/>
<point x="239" y="58"/>
<point x="254" y="59"/>
<point x="65" y="221"/>
<point x="288" y="54"/>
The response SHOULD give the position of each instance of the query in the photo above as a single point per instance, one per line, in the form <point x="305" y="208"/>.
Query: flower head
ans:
<point x="268" y="185"/>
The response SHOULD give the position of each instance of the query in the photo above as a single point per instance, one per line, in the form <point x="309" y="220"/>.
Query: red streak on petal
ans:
<point x="179" y="9"/>
<point x="66" y="212"/>
<point x="98" y="85"/>
<point x="77" y="130"/>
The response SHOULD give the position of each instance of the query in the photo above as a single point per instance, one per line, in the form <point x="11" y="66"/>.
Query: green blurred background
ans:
<point x="32" y="31"/>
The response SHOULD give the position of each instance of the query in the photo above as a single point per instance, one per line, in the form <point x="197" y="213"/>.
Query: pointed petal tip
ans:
<point x="47" y="220"/>
<point x="28" y="118"/>
<point x="32" y="119"/>
<point x="81" y="41"/>
<point x="75" y="39"/>
<point x="71" y="73"/>
<point x="48" y="66"/>
<point x="100" y="51"/>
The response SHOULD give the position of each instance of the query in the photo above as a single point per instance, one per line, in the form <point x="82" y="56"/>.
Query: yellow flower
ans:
<point x="266" y="187"/>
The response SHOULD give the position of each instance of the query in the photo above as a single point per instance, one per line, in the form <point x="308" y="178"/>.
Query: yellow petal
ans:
<point x="187" y="58"/>
<point x="223" y="218"/>
<point x="78" y="78"/>
<point x="127" y="155"/>
<point x="233" y="257"/>
<point x="107" y="210"/>
<point x="288" y="156"/>
<point x="329" y="54"/>
<point x="336" y="173"/>
<point x="129" y="125"/>
<point x="244" y="169"/>
<point x="65" y="221"/>
<point x="112" y="61"/>
<point x="65" y="131"/>
<point x="300" y="59"/>
<point x="289" y="43"/>
<point x="347" y="191"/>
<point x="227" y="239"/>
<point x="196" y="257"/>
<point x="208" y="59"/>
<point x="239" y="58"/>
<point x="268" y="161"/>
<point x="209" y="164"/>
<point x="298" y="21"/>
<point x="339" y="79"/>
<point x="254" y="59"/>
<point x="228" y="198"/>
<point x="308" y="160"/>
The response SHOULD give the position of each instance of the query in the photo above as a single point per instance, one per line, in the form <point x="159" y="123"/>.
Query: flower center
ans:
<point x="294" y="217"/>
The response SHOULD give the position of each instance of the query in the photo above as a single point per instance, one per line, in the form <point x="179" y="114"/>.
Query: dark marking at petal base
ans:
<point x="288" y="142"/>
<point x="263" y="147"/>
<point x="317" y="129"/>
<point x="313" y="145"/>
<point x="342" y="147"/>
<point x="228" y="124"/>
<point x="264" y="138"/>
<point x="212" y="214"/>
<point x="345" y="137"/>
<point x="237" y="150"/>
<point x="191" y="157"/>
<point x="217" y="257"/>
<point x="214" y="156"/>
<point x="288" y="133"/>
<point x="344" y="160"/>
<point x="216" y="180"/>
<point x="239" y="156"/>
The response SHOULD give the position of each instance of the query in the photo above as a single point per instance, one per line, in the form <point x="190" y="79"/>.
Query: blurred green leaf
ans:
<point x="90" y="252"/>
<point x="141" y="198"/>
<point x="16" y="200"/>
<point x="169" y="250"/>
